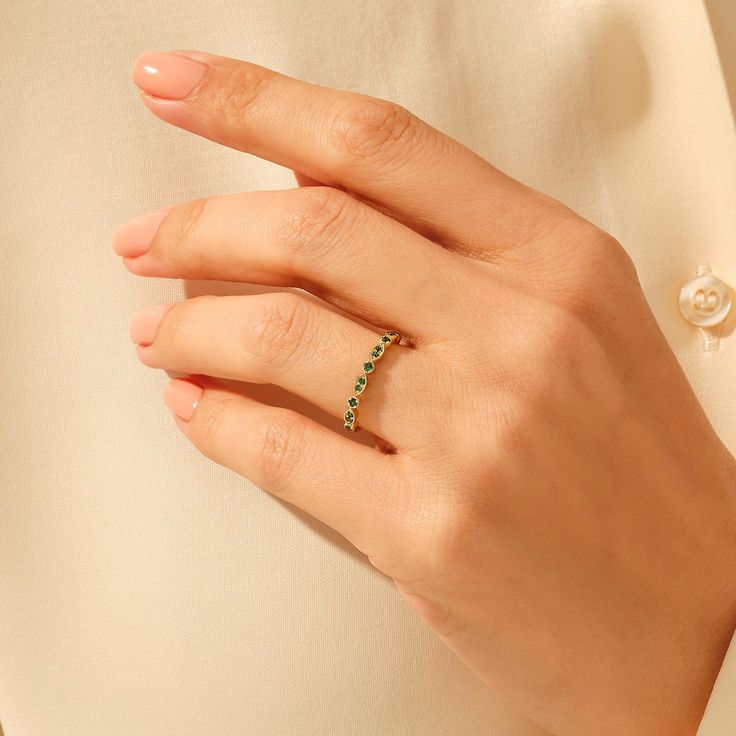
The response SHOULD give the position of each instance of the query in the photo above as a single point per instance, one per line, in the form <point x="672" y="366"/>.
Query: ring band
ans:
<point x="361" y="381"/>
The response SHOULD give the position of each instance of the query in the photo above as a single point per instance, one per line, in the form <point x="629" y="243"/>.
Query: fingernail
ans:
<point x="145" y="322"/>
<point x="167" y="75"/>
<point x="182" y="397"/>
<point x="133" y="238"/>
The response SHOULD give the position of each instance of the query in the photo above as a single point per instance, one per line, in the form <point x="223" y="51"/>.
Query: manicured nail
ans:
<point x="182" y="397"/>
<point x="167" y="75"/>
<point x="133" y="238"/>
<point x="145" y="322"/>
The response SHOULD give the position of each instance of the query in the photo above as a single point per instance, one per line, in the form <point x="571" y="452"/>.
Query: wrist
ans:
<point x="703" y="646"/>
<point x="703" y="681"/>
<point x="682" y="630"/>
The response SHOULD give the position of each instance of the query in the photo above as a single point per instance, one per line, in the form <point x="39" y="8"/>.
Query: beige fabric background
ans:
<point x="145" y="590"/>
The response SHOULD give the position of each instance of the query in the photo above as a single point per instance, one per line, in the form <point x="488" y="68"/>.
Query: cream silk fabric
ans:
<point x="145" y="590"/>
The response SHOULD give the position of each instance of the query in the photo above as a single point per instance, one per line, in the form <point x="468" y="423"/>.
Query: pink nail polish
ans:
<point x="182" y="396"/>
<point x="133" y="238"/>
<point x="167" y="75"/>
<point x="144" y="324"/>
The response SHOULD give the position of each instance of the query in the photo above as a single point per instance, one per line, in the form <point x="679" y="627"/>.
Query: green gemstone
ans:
<point x="392" y="334"/>
<point x="349" y="427"/>
<point x="358" y="388"/>
<point x="377" y="351"/>
<point x="385" y="338"/>
<point x="353" y="401"/>
<point x="361" y="380"/>
<point x="349" y="416"/>
<point x="369" y="366"/>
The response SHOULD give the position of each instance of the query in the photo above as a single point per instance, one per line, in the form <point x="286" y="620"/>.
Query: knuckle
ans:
<point x="606" y="256"/>
<point x="442" y="527"/>
<point x="169" y="335"/>
<point x="188" y="218"/>
<point x="280" y="447"/>
<point x="455" y="524"/>
<point x="240" y="87"/>
<point x="373" y="130"/>
<point x="567" y="343"/>
<point x="311" y="221"/>
<point x="607" y="279"/>
<point x="561" y="333"/>
<point x="172" y="335"/>
<point x="278" y="331"/>
<point x="211" y="415"/>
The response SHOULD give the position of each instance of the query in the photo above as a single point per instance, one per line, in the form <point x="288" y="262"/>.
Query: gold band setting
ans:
<point x="361" y="381"/>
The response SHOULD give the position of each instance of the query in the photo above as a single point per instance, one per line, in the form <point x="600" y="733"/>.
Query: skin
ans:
<point x="541" y="483"/>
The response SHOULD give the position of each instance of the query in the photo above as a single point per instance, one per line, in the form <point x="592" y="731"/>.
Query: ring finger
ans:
<point x="290" y="340"/>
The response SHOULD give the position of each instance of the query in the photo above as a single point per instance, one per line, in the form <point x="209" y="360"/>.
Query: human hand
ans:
<point x="534" y="490"/>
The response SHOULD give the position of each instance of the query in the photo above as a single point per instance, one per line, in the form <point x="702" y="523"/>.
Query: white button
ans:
<point x="705" y="300"/>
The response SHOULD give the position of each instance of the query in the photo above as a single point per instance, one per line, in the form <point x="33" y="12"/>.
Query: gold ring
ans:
<point x="361" y="381"/>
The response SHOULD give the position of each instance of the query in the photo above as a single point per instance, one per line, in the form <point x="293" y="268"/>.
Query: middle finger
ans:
<point x="319" y="239"/>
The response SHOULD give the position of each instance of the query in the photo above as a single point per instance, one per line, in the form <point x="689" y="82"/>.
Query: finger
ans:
<point x="372" y="147"/>
<point x="316" y="238"/>
<point x="347" y="485"/>
<point x="290" y="340"/>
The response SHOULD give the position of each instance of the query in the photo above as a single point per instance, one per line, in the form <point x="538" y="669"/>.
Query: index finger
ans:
<point x="371" y="147"/>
